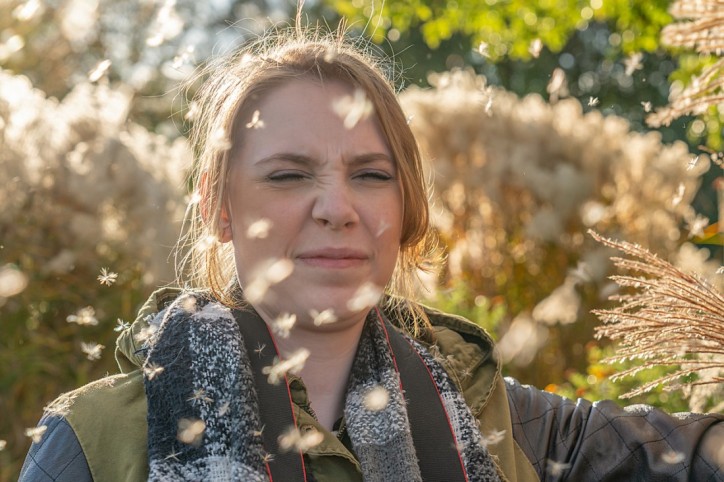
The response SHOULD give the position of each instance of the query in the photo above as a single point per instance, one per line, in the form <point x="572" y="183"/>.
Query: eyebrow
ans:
<point x="306" y="160"/>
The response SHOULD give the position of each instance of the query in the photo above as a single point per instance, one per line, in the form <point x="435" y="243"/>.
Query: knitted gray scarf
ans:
<point x="203" y="417"/>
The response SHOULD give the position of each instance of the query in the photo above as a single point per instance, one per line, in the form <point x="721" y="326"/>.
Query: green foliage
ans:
<point x="639" y="22"/>
<point x="708" y="129"/>
<point x="509" y="27"/>
<point x="461" y="299"/>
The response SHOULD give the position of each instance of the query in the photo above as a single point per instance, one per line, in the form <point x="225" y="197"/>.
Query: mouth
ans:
<point x="335" y="258"/>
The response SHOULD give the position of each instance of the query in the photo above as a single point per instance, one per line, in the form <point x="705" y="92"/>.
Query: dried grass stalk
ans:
<point x="705" y="90"/>
<point x="705" y="30"/>
<point x="702" y="31"/>
<point x="670" y="318"/>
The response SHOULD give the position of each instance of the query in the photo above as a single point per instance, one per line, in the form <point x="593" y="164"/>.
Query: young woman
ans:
<point x="298" y="352"/>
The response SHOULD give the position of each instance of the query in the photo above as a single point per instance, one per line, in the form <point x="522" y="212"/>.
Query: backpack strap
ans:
<point x="275" y="401"/>
<point x="430" y="426"/>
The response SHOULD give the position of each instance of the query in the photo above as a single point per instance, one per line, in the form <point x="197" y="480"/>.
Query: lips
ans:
<point x="333" y="257"/>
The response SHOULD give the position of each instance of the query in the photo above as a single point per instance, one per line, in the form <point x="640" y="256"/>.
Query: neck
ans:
<point x="326" y="371"/>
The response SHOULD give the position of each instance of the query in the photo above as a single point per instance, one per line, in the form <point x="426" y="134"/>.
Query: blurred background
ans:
<point x="539" y="120"/>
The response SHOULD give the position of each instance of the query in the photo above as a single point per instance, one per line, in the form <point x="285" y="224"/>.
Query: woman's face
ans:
<point x="307" y="189"/>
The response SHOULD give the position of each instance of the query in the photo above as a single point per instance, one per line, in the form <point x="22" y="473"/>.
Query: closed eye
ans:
<point x="287" y="176"/>
<point x="374" y="176"/>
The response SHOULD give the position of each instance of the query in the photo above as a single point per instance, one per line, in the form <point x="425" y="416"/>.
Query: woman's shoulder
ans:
<point x="107" y="416"/>
<point x="466" y="351"/>
<point x="121" y="387"/>
<point x="106" y="401"/>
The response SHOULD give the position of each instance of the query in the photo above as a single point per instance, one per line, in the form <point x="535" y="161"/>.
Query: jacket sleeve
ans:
<point x="567" y="440"/>
<point x="58" y="456"/>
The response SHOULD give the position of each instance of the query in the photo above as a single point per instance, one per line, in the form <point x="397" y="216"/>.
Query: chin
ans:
<point x="308" y="307"/>
<point x="303" y="298"/>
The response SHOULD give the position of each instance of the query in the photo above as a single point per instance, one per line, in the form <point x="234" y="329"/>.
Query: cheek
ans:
<point x="257" y="214"/>
<point x="265" y="230"/>
<point x="387" y="230"/>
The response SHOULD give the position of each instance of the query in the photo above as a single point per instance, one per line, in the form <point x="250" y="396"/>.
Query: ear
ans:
<point x="225" y="232"/>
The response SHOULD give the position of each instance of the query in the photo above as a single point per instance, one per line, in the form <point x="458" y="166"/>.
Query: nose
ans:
<point x="334" y="206"/>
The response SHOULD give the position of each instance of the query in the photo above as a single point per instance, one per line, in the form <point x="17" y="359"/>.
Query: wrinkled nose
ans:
<point x="334" y="206"/>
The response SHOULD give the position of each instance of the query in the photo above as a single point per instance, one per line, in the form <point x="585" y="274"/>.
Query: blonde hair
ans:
<point x="232" y="85"/>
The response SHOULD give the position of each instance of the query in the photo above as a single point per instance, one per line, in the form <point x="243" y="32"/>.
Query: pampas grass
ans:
<point x="669" y="317"/>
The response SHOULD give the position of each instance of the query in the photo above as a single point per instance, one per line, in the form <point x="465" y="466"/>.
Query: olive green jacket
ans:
<point x="109" y="415"/>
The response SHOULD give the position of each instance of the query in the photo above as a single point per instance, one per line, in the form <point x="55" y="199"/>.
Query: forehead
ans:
<point x="309" y="95"/>
<point x="309" y="115"/>
<point x="305" y="89"/>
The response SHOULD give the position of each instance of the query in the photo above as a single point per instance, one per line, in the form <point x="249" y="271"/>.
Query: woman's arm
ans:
<point x="58" y="456"/>
<point x="601" y="441"/>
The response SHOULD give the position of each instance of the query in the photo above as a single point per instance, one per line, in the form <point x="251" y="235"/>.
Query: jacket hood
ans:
<point x="129" y="345"/>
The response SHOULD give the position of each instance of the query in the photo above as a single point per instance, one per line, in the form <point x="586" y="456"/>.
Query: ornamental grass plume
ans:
<point x="702" y="29"/>
<point x="668" y="317"/>
<point x="81" y="184"/>
<point x="518" y="181"/>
